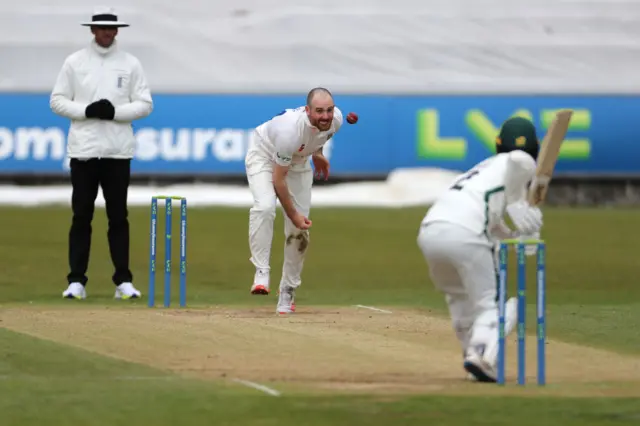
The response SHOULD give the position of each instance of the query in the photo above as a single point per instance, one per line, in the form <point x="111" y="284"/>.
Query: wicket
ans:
<point x="167" y="250"/>
<point x="521" y="295"/>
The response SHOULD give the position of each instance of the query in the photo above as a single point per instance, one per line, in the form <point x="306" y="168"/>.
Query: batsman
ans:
<point x="459" y="234"/>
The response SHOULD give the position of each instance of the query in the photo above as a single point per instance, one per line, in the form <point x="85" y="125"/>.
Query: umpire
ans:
<point x="101" y="89"/>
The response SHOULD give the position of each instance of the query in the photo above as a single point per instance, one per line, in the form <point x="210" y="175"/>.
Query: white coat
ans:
<point x="91" y="74"/>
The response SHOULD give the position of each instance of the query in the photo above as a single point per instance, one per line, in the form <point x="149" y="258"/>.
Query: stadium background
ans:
<point x="430" y="80"/>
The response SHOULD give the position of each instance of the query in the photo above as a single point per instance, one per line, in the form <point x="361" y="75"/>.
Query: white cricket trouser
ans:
<point x="462" y="266"/>
<point x="262" y="216"/>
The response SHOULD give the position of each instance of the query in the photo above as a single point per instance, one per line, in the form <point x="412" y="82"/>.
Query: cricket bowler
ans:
<point x="459" y="234"/>
<point x="278" y="165"/>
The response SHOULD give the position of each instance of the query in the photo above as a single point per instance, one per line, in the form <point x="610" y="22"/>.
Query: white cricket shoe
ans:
<point x="468" y="377"/>
<point x="286" y="301"/>
<point x="127" y="291"/>
<point x="75" y="291"/>
<point x="475" y="365"/>
<point x="260" y="283"/>
<point x="482" y="360"/>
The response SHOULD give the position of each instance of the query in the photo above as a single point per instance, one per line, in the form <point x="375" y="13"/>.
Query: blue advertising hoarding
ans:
<point x="209" y="134"/>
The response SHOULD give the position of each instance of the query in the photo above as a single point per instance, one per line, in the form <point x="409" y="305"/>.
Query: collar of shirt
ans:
<point x="307" y="123"/>
<point x="104" y="50"/>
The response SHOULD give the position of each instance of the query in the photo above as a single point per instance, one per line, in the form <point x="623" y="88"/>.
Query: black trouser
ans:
<point x="113" y="176"/>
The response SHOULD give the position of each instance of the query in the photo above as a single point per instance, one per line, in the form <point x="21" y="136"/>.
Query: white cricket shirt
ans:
<point x="93" y="73"/>
<point x="289" y="139"/>
<point x="477" y="200"/>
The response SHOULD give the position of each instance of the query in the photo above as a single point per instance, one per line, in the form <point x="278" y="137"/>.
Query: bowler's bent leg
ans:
<point x="261" y="217"/>
<point x="296" y="241"/>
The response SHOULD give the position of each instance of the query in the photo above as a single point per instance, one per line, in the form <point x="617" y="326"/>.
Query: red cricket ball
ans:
<point x="352" y="118"/>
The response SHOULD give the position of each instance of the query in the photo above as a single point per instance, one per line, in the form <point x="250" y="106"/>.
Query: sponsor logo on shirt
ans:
<point x="283" y="157"/>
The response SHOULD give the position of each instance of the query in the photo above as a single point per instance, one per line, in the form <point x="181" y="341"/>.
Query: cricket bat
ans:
<point x="549" y="156"/>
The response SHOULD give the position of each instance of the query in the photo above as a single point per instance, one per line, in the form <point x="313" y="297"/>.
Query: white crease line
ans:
<point x="373" y="309"/>
<point x="258" y="386"/>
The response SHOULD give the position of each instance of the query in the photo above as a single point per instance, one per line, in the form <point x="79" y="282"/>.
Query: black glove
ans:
<point x="102" y="109"/>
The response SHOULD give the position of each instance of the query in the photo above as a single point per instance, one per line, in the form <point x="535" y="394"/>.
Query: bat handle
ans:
<point x="538" y="189"/>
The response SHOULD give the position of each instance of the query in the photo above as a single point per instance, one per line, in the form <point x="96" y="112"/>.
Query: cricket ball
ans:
<point x="352" y="118"/>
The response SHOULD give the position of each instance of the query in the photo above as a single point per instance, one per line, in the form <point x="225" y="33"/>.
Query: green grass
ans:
<point x="592" y="256"/>
<point x="356" y="257"/>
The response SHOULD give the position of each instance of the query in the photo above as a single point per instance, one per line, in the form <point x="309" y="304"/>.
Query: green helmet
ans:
<point x="518" y="133"/>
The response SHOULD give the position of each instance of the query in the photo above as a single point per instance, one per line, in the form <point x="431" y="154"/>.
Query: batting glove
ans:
<point x="527" y="219"/>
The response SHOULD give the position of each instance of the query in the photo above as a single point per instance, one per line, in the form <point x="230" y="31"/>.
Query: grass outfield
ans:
<point x="101" y="361"/>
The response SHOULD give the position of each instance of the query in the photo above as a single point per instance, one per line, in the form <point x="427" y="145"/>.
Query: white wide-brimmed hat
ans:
<point x="105" y="17"/>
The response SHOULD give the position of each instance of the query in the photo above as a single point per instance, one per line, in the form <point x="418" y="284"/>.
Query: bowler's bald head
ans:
<point x="318" y="91"/>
